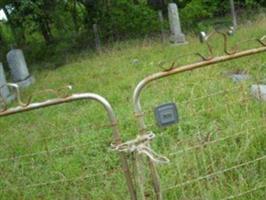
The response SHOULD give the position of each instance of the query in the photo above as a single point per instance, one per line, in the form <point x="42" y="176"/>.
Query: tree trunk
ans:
<point x="46" y="31"/>
<point x="74" y="15"/>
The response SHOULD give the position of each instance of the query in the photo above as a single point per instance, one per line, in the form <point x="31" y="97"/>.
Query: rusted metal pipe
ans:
<point x="85" y="96"/>
<point x="159" y="75"/>
<point x="189" y="67"/>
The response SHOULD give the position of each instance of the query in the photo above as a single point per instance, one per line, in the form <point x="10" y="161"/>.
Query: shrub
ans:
<point x="125" y="19"/>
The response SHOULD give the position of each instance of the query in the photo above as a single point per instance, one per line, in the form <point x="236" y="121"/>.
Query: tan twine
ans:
<point x="140" y="145"/>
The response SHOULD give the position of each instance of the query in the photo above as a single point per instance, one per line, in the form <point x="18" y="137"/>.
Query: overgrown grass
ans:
<point x="114" y="74"/>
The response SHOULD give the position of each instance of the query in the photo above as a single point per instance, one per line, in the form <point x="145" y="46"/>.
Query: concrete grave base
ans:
<point x="27" y="82"/>
<point x="10" y="98"/>
<point x="178" y="39"/>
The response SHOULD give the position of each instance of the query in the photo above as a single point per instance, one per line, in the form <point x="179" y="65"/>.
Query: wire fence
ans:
<point x="63" y="157"/>
<point x="217" y="151"/>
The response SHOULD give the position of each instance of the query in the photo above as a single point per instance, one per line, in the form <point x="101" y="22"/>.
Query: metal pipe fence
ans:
<point x="202" y="163"/>
<point x="36" y="163"/>
<point x="221" y="155"/>
<point x="213" y="159"/>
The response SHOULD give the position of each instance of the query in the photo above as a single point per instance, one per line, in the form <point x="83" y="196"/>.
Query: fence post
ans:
<point x="142" y="130"/>
<point x="97" y="37"/>
<point x="161" y="20"/>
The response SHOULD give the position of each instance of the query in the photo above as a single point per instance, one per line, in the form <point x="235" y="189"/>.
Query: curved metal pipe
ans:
<point x="137" y="92"/>
<point x="189" y="67"/>
<point x="113" y="120"/>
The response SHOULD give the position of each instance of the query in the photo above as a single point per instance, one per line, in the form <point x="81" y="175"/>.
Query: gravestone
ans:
<point x="19" y="69"/>
<point x="177" y="36"/>
<point x="239" y="77"/>
<point x="4" y="90"/>
<point x="259" y="91"/>
<point x="233" y="12"/>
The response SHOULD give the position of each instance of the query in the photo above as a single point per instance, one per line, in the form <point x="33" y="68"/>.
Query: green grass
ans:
<point x="113" y="75"/>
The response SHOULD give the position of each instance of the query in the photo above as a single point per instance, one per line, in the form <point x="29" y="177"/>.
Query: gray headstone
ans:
<point x="17" y="64"/>
<point x="177" y="36"/>
<point x="233" y="12"/>
<point x="259" y="91"/>
<point x="4" y="90"/>
<point x="18" y="67"/>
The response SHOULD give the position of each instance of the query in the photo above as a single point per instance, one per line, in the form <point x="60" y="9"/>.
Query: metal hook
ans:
<point x="18" y="95"/>
<point x="228" y="52"/>
<point x="262" y="40"/>
<point x="204" y="39"/>
<point x="210" y="52"/>
<point x="58" y="93"/>
<point x="174" y="63"/>
<point x="168" y="69"/>
<point x="67" y="89"/>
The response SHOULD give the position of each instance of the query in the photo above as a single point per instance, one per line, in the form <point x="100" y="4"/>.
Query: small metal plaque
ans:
<point x="166" y="114"/>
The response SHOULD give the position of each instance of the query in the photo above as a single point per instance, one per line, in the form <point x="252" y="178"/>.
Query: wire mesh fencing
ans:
<point x="60" y="152"/>
<point x="217" y="150"/>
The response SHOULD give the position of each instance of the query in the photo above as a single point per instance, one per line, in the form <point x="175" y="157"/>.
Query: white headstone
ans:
<point x="4" y="91"/>
<point x="19" y="70"/>
<point x="176" y="33"/>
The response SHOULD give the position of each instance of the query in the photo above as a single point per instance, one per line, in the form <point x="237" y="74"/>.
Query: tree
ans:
<point x="35" y="15"/>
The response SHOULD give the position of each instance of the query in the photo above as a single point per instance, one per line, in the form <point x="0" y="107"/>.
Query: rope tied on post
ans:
<point x="141" y="146"/>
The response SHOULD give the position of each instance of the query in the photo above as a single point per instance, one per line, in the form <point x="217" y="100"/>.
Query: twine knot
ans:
<point x="141" y="146"/>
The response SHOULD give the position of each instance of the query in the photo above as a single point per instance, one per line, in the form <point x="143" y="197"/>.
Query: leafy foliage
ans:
<point x="67" y="24"/>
